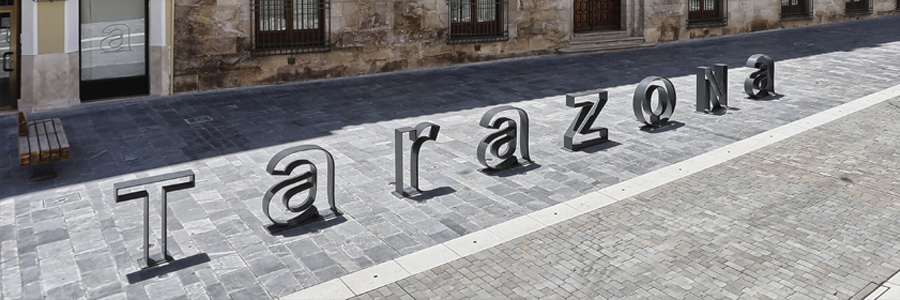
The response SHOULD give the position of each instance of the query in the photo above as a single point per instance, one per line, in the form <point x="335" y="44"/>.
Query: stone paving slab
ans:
<point x="228" y="136"/>
<point x="811" y="217"/>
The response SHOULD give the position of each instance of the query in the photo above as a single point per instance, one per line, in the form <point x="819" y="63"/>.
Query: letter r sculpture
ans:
<point x="415" y="135"/>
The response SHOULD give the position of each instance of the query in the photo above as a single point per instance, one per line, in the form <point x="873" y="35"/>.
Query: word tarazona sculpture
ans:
<point x="415" y="135"/>
<point x="712" y="88"/>
<point x="510" y="135"/>
<point x="142" y="193"/>
<point x="664" y="107"/>
<point x="584" y="122"/>
<point x="294" y="185"/>
<point x="760" y="83"/>
<point x="505" y="137"/>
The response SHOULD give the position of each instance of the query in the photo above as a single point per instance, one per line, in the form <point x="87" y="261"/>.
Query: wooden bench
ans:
<point x="42" y="142"/>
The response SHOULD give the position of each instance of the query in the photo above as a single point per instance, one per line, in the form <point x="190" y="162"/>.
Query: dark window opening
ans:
<point x="474" y="21"/>
<point x="707" y="13"/>
<point x="796" y="9"/>
<point x="290" y="26"/>
<point x="857" y="7"/>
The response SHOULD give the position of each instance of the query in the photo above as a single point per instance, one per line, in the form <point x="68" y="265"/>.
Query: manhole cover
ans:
<point x="198" y="120"/>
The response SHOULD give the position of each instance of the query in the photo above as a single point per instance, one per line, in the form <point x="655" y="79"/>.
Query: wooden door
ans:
<point x="592" y="15"/>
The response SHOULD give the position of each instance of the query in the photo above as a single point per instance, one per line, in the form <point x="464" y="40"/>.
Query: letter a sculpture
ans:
<point x="294" y="185"/>
<point x="506" y="136"/>
<point x="762" y="82"/>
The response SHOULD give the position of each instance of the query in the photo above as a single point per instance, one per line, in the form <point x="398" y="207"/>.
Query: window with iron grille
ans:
<point x="796" y="9"/>
<point x="290" y="26"/>
<point x="857" y="7"/>
<point x="475" y="21"/>
<point x="707" y="13"/>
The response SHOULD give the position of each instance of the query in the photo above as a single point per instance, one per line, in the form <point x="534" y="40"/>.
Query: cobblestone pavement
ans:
<point x="812" y="217"/>
<point x="67" y="238"/>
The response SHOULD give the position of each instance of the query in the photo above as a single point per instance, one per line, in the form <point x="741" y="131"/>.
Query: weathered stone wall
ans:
<point x="212" y="41"/>
<point x="666" y="20"/>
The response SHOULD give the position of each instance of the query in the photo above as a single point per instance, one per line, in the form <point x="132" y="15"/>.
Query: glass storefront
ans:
<point x="113" y="48"/>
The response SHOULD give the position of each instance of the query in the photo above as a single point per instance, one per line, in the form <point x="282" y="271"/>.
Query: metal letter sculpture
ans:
<point x="415" y="135"/>
<point x="306" y="209"/>
<point x="504" y="137"/>
<point x="712" y="88"/>
<point x="665" y="106"/>
<point x="762" y="80"/>
<point x="142" y="193"/>
<point x="583" y="123"/>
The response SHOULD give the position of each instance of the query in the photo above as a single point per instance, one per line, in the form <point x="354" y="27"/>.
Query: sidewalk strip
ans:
<point x="411" y="264"/>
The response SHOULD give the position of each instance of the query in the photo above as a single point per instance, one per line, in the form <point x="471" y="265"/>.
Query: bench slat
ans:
<point x="42" y="140"/>
<point x="24" y="153"/>
<point x="63" y="140"/>
<point x="53" y="139"/>
<point x="33" y="146"/>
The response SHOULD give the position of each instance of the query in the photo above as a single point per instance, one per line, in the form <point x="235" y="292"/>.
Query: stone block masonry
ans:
<point x="213" y="41"/>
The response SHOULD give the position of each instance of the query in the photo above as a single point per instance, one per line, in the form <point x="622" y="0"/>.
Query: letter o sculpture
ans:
<point x="665" y="106"/>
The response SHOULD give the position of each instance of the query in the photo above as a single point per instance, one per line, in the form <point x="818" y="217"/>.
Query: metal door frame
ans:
<point x="15" y="46"/>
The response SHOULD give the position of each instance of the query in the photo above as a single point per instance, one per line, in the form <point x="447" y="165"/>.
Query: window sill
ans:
<point x="268" y="51"/>
<point x="478" y="39"/>
<point x="710" y="23"/>
<point x="858" y="12"/>
<point x="797" y="17"/>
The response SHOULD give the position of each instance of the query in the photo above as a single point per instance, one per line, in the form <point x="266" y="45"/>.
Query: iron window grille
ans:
<point x="477" y="21"/>
<point x="290" y="26"/>
<point x="707" y="13"/>
<point x="857" y="7"/>
<point x="796" y="9"/>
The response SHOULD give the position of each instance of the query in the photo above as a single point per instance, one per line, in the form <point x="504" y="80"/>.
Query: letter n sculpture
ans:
<point x="712" y="88"/>
<point x="761" y="82"/>
<point x="415" y="135"/>
<point x="583" y="123"/>
<point x="306" y="212"/>
<point x="506" y="137"/>
<point x="138" y="190"/>
<point x="664" y="107"/>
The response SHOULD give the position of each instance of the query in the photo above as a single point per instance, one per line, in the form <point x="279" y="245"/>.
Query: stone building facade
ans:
<point x="72" y="51"/>
<point x="214" y="39"/>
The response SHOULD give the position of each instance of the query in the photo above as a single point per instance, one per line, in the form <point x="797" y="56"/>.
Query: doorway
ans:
<point x="114" y="45"/>
<point x="9" y="47"/>
<point x="595" y="15"/>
